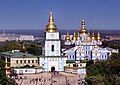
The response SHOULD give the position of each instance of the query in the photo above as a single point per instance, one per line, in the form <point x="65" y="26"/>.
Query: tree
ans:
<point x="4" y="80"/>
<point x="88" y="63"/>
<point x="104" y="72"/>
<point x="30" y="47"/>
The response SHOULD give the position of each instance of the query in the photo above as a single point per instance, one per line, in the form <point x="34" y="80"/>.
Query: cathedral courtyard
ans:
<point x="50" y="78"/>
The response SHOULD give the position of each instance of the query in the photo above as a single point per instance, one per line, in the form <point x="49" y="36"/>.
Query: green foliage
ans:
<point x="2" y="64"/>
<point x="30" y="47"/>
<point x="111" y="44"/>
<point x="4" y="80"/>
<point x="104" y="72"/>
<point x="115" y="56"/>
<point x="88" y="63"/>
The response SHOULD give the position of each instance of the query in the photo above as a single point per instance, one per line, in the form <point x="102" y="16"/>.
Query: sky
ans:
<point x="34" y="14"/>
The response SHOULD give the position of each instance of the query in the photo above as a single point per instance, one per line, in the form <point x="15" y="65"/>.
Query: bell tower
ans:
<point x="52" y="40"/>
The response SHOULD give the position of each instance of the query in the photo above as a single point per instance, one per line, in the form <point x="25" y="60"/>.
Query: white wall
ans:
<point x="57" y="48"/>
<point x="27" y="70"/>
<point x="82" y="71"/>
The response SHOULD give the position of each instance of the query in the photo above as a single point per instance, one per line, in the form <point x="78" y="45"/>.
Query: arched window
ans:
<point x="102" y="56"/>
<point x="70" y="56"/>
<point x="52" y="48"/>
<point x="105" y="56"/>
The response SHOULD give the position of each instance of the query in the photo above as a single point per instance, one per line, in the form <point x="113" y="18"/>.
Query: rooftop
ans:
<point x="17" y="55"/>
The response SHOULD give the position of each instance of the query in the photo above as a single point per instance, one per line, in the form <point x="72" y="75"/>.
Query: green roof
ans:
<point x="69" y="67"/>
<point x="17" y="55"/>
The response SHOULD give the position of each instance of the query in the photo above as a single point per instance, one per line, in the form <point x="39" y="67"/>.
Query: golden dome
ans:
<point x="78" y="36"/>
<point x="74" y="37"/>
<point x="51" y="27"/>
<point x="89" y="37"/>
<point x="93" y="36"/>
<point x="98" y="36"/>
<point x="67" y="37"/>
<point x="83" y="30"/>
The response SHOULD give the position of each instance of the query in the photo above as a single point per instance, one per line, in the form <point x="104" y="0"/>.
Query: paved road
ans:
<point x="60" y="78"/>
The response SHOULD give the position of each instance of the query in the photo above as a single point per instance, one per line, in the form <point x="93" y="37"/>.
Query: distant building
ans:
<point x="15" y="37"/>
<point x="111" y="38"/>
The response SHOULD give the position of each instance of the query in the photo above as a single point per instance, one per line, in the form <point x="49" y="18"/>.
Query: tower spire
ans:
<point x="98" y="36"/>
<point x="89" y="36"/>
<point x="78" y="36"/>
<point x="74" y="36"/>
<point x="51" y="19"/>
<point x="83" y="30"/>
<point x="93" y="36"/>
<point x="67" y="37"/>
<point x="83" y="24"/>
<point x="51" y="27"/>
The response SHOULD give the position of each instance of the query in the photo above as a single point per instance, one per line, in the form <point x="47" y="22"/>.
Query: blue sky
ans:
<point x="33" y="14"/>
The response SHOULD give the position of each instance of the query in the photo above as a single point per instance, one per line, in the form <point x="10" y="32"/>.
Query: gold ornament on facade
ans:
<point x="83" y="30"/>
<point x="93" y="36"/>
<point x="67" y="37"/>
<point x="51" y="27"/>
<point x="74" y="37"/>
<point x="98" y="36"/>
<point x="78" y="36"/>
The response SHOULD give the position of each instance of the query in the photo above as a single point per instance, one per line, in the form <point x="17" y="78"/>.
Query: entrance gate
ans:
<point x="52" y="69"/>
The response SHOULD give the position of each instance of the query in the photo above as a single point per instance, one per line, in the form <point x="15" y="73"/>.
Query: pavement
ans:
<point x="52" y="78"/>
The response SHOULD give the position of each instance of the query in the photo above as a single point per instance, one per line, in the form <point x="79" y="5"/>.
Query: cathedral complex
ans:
<point x="67" y="52"/>
<point x="82" y="46"/>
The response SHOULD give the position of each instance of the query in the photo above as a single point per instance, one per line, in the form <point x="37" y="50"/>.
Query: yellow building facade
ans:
<point x="19" y="59"/>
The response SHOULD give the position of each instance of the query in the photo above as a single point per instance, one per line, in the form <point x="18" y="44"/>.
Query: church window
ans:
<point x="102" y="56"/>
<point x="52" y="48"/>
<point x="70" y="56"/>
<point x="73" y="56"/>
<point x="105" y="56"/>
